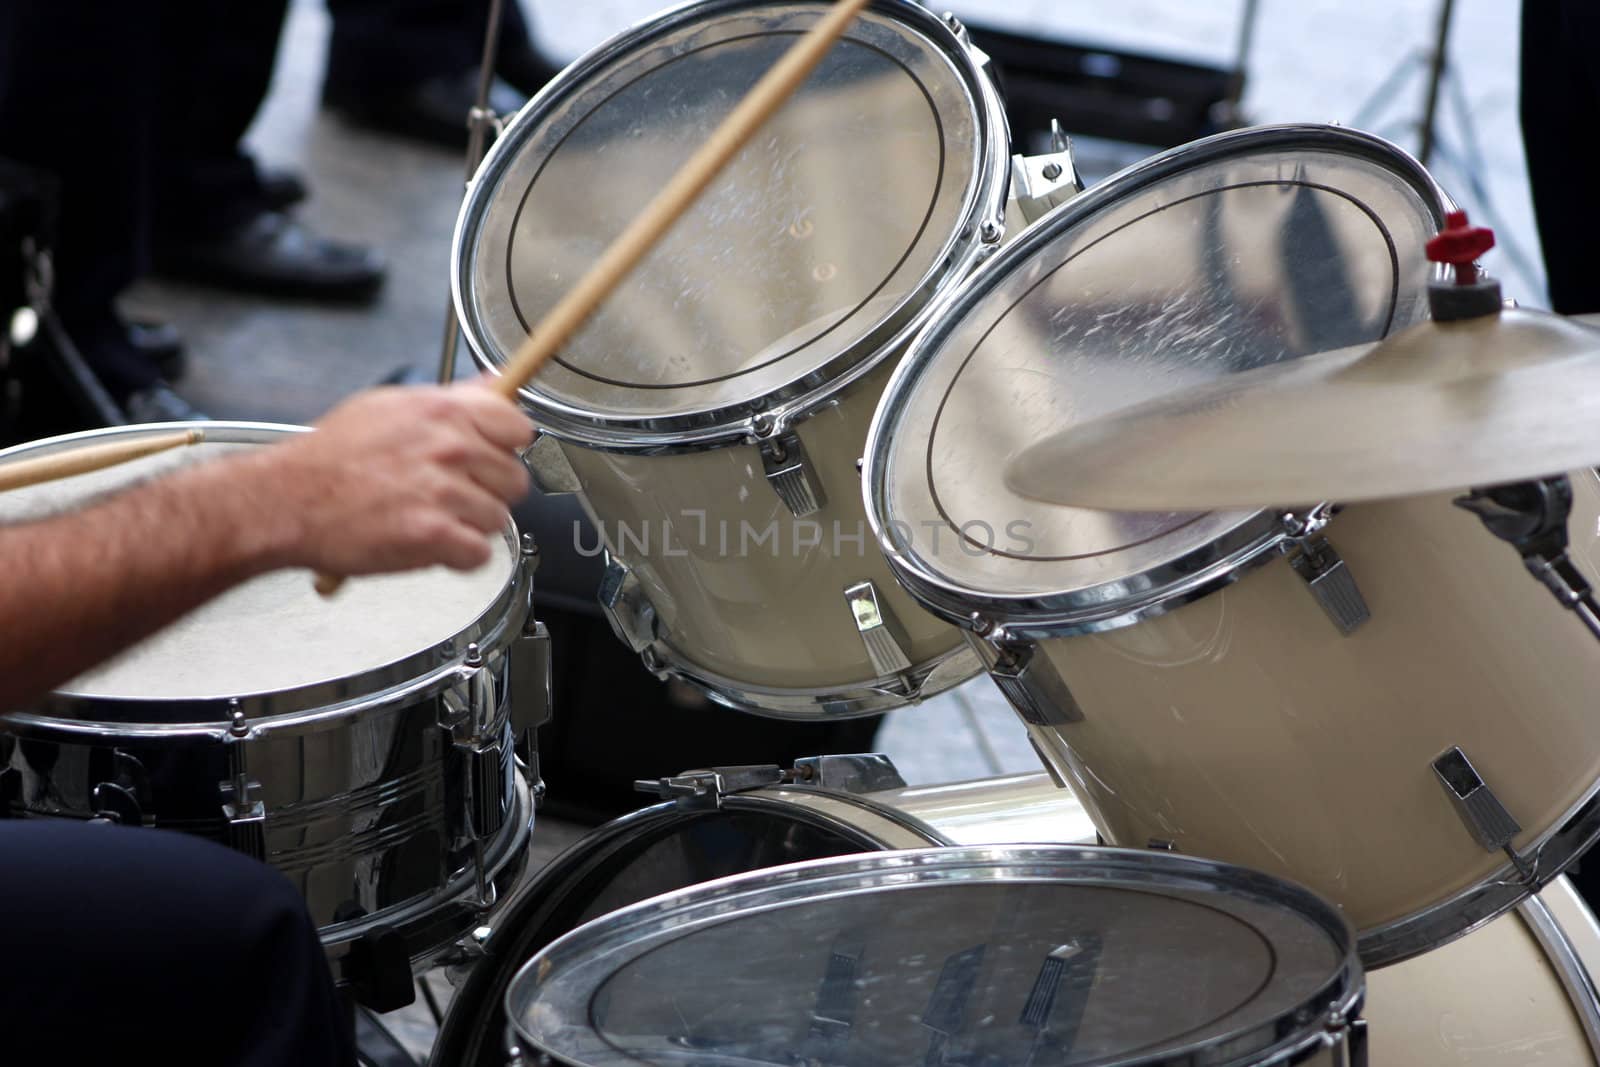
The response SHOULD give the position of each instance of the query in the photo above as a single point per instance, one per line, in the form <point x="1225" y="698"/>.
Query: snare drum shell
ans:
<point x="749" y="598"/>
<point x="1243" y="726"/>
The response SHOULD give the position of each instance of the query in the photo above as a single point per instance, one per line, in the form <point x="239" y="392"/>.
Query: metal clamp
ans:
<point x="860" y="772"/>
<point x="703" y="790"/>
<point x="633" y="618"/>
<point x="1041" y="183"/>
<point x="549" y="467"/>
<point x="1331" y="581"/>
<point x="788" y="468"/>
<point x="885" y="639"/>
<point x="1029" y="681"/>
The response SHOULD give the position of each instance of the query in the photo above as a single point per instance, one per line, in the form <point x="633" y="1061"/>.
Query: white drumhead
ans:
<point x="823" y="230"/>
<point x="273" y="633"/>
<point x="1239" y="251"/>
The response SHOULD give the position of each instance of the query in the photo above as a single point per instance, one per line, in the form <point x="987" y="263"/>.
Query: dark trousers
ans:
<point x="394" y="44"/>
<point x="1560" y="122"/>
<point x="138" y="110"/>
<point x="148" y="946"/>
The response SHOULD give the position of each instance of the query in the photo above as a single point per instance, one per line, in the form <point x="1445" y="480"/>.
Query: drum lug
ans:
<point x="862" y="772"/>
<point x="885" y="639"/>
<point x="549" y="467"/>
<point x="1331" y="582"/>
<point x="1043" y="182"/>
<point x="703" y="790"/>
<point x="1029" y="681"/>
<point x="529" y="693"/>
<point x="788" y="468"/>
<point x="1486" y="819"/>
<point x="633" y="618"/>
<point x="247" y="817"/>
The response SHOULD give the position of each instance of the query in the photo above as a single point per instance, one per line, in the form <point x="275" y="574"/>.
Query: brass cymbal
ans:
<point x="1438" y="406"/>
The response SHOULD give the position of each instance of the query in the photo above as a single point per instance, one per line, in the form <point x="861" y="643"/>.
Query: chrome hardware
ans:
<point x="530" y="553"/>
<point x="123" y="797"/>
<point x="834" y="1010"/>
<point x="1029" y="681"/>
<point x="1161" y="844"/>
<point x="788" y="469"/>
<point x="529" y="693"/>
<point x="864" y="772"/>
<point x="1568" y="965"/>
<point x="955" y="26"/>
<point x="460" y="963"/>
<point x="632" y="616"/>
<point x="703" y="790"/>
<point x="885" y="639"/>
<point x="991" y="231"/>
<point x="1356" y="1042"/>
<point x="1041" y="183"/>
<point x="247" y="817"/>
<point x="548" y="466"/>
<point x="1331" y="582"/>
<point x="1490" y="824"/>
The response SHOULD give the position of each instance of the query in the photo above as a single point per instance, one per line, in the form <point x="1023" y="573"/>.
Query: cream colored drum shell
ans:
<point x="1242" y="727"/>
<point x="751" y="600"/>
<point x="1494" y="997"/>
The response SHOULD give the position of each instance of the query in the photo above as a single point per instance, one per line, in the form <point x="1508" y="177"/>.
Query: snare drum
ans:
<point x="713" y="411"/>
<point x="362" y="745"/>
<point x="832" y="806"/>
<point x="1376" y="702"/>
<point x="1004" y="954"/>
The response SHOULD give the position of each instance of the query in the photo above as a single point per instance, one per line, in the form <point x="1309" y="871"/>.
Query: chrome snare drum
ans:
<point x="1373" y="701"/>
<point x="712" y="413"/>
<point x="362" y="745"/>
<point x="1002" y="954"/>
<point x="730" y="821"/>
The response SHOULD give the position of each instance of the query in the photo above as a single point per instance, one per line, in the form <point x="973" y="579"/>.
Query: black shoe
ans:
<point x="524" y="67"/>
<point x="158" y="403"/>
<point x="434" y="110"/>
<point x="161" y="344"/>
<point x="281" y="188"/>
<point x="272" y="253"/>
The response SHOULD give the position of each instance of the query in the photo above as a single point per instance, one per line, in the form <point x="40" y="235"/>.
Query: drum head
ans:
<point x="273" y="634"/>
<point x="1231" y="253"/>
<point x="825" y="236"/>
<point x="996" y="955"/>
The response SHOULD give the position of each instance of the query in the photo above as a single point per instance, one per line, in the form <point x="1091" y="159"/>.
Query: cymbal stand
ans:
<point x="480" y="120"/>
<point x="1532" y="517"/>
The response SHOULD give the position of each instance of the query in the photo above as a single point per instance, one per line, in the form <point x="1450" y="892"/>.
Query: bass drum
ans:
<point x="679" y="844"/>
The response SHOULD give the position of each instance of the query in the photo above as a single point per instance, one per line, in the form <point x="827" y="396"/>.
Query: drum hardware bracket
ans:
<point x="122" y="798"/>
<point x="549" y="467"/>
<point x="529" y="695"/>
<point x="1485" y="818"/>
<point x="1352" y="1051"/>
<point x="1326" y="574"/>
<point x="861" y="772"/>
<point x="787" y="466"/>
<point x="1532" y="518"/>
<point x="703" y="790"/>
<point x="246" y="816"/>
<point x="881" y="633"/>
<point x="633" y="618"/>
<point x="1044" y="182"/>
<point x="1029" y="681"/>
<point x="459" y="963"/>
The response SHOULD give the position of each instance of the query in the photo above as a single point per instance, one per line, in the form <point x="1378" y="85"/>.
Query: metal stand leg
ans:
<point x="1532" y="518"/>
<point x="480" y="120"/>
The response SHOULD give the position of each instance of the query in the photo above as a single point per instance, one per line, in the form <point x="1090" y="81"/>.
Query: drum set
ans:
<point x="891" y="408"/>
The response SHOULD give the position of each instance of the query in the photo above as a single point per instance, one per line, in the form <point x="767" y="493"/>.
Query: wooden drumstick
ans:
<point x="679" y="194"/>
<point x="24" y="472"/>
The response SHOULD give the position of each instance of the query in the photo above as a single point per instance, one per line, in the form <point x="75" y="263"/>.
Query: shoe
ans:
<point x="434" y="110"/>
<point x="281" y="188"/>
<point x="273" y="253"/>
<point x="159" y="403"/>
<point x="524" y="67"/>
<point x="160" y="343"/>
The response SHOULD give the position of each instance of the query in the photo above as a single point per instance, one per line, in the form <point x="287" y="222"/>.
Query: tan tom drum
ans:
<point x="1376" y="702"/>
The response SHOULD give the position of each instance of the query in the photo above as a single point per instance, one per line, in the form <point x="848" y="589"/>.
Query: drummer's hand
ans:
<point x="399" y="477"/>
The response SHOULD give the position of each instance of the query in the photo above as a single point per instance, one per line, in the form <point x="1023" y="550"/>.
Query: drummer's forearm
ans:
<point x="84" y="586"/>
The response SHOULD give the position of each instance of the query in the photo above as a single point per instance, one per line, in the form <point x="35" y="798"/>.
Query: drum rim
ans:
<point x="957" y="665"/>
<point x="1283" y="1037"/>
<point x="1172" y="583"/>
<point x="963" y="250"/>
<point x="414" y="677"/>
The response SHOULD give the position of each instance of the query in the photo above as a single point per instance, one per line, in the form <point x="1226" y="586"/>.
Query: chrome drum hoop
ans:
<point x="1321" y="1019"/>
<point x="1170" y="585"/>
<point x="1477" y="906"/>
<point x="966" y="248"/>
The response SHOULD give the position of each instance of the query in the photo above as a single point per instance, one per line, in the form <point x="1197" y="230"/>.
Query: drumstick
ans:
<point x="24" y="472"/>
<point x="679" y="194"/>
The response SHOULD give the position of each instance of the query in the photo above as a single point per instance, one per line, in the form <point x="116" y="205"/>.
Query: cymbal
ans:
<point x="1438" y="406"/>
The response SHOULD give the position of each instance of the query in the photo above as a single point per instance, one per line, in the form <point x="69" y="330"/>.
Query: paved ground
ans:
<point x="1312" y="60"/>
